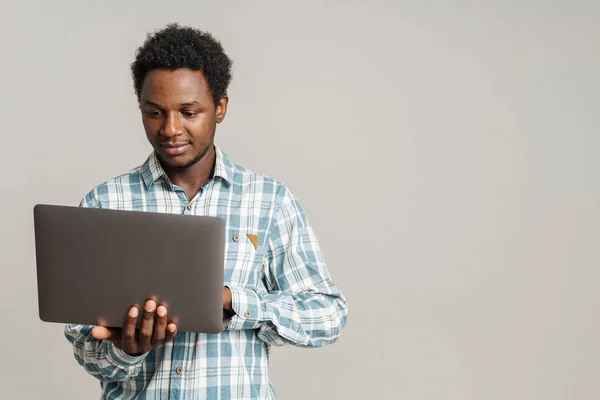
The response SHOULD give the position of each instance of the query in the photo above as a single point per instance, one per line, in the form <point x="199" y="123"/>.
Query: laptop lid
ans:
<point x="94" y="264"/>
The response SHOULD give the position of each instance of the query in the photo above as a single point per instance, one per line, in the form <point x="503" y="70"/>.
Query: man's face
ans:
<point x="179" y="115"/>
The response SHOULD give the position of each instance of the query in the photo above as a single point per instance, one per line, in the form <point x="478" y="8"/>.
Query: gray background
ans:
<point x="445" y="152"/>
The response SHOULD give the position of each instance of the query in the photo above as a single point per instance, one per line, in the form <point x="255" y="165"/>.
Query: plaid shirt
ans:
<point x="282" y="292"/>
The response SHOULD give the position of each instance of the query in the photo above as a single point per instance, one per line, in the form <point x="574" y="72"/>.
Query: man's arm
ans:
<point x="111" y="354"/>
<point x="100" y="358"/>
<point x="302" y="307"/>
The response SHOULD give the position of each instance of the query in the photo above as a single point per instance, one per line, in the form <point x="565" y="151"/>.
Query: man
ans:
<point x="277" y="287"/>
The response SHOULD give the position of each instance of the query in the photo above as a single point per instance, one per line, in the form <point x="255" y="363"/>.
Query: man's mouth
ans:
<point x="175" y="148"/>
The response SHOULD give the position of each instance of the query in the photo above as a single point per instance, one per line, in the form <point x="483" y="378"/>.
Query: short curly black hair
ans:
<point x="177" y="47"/>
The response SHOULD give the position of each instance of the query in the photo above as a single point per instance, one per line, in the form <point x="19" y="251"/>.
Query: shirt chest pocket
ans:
<point x="243" y="259"/>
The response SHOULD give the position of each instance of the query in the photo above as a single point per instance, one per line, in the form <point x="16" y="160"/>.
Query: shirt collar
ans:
<point x="152" y="170"/>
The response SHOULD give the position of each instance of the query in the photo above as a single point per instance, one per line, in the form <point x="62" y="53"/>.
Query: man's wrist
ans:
<point x="134" y="354"/>
<point x="227" y="299"/>
<point x="116" y="356"/>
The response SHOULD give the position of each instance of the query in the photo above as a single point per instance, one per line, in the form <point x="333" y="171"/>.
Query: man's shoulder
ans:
<point x="123" y="183"/>
<point x="250" y="181"/>
<point x="245" y="175"/>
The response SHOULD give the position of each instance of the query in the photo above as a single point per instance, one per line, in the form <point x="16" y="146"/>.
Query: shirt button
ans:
<point x="189" y="207"/>
<point x="247" y="314"/>
<point x="236" y="238"/>
<point x="179" y="370"/>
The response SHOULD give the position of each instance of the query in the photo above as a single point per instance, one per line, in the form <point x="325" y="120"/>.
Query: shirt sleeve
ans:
<point x="302" y="306"/>
<point x="101" y="358"/>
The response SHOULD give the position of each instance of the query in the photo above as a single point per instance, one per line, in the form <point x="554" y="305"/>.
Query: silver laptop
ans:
<point x="95" y="264"/>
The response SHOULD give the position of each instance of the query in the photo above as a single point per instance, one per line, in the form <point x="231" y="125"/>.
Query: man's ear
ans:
<point x="222" y="108"/>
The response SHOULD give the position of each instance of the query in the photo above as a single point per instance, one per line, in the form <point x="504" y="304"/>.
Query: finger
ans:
<point x="147" y="326"/>
<point x="161" y="325"/>
<point x="102" y="333"/>
<point x="171" y="332"/>
<point x="128" y="332"/>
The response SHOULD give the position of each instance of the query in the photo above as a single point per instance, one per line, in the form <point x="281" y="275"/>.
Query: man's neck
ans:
<point x="191" y="179"/>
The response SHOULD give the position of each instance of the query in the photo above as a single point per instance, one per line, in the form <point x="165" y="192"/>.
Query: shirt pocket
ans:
<point x="243" y="263"/>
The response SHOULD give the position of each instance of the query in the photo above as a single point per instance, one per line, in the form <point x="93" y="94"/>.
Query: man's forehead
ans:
<point x="184" y="83"/>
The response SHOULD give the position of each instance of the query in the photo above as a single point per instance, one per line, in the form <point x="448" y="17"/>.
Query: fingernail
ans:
<point x="161" y="311"/>
<point x="133" y="312"/>
<point x="171" y="328"/>
<point x="150" y="306"/>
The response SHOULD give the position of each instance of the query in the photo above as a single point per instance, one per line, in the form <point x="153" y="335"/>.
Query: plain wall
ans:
<point x="445" y="152"/>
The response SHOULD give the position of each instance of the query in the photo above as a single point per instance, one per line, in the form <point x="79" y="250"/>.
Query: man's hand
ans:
<point x="153" y="331"/>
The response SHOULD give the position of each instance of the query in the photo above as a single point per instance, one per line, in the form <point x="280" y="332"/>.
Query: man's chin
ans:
<point x="176" y="162"/>
<point x="179" y="161"/>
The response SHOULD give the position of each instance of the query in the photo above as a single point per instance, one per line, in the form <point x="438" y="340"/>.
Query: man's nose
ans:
<point x="172" y="126"/>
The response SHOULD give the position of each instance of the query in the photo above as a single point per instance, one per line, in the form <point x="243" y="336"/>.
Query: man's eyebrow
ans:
<point x="148" y="102"/>
<point x="191" y="103"/>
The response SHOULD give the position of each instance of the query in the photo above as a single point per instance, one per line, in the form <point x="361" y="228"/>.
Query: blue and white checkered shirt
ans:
<point x="282" y="291"/>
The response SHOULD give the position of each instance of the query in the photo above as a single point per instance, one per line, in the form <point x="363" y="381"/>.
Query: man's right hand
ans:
<point x="153" y="331"/>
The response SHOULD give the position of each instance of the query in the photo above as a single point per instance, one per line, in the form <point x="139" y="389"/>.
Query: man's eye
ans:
<point x="153" y="113"/>
<point x="189" y="114"/>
